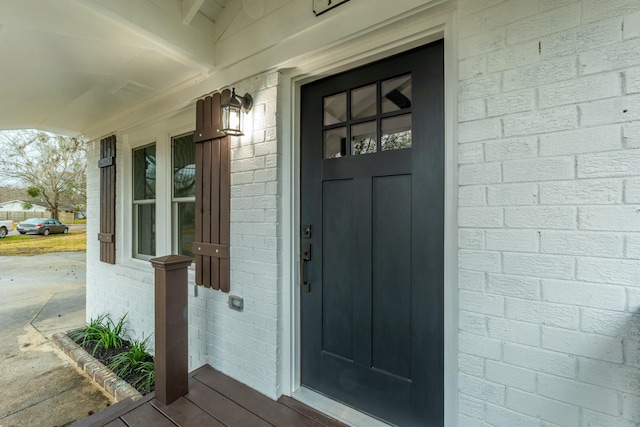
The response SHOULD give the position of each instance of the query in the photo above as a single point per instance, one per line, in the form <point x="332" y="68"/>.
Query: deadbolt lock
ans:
<point x="306" y="231"/>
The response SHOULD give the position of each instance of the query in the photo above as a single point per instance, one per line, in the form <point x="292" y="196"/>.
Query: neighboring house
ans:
<point x="464" y="177"/>
<point x="15" y="210"/>
<point x="18" y="206"/>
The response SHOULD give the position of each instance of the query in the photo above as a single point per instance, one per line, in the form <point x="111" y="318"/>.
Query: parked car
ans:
<point x="42" y="226"/>
<point x="5" y="228"/>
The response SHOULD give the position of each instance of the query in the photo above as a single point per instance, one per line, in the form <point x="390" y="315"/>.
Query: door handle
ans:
<point x="305" y="255"/>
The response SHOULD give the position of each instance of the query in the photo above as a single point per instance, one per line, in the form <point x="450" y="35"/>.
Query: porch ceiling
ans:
<point x="66" y="64"/>
<point x="93" y="66"/>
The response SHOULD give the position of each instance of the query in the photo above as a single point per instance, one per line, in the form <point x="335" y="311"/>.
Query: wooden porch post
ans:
<point x="171" y="323"/>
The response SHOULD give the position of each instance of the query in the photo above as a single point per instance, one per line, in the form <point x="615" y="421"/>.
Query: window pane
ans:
<point x="363" y="138"/>
<point x="396" y="133"/>
<point x="184" y="166"/>
<point x="335" y="143"/>
<point x="144" y="173"/>
<point x="186" y="225"/>
<point x="146" y="227"/>
<point x="363" y="102"/>
<point x="396" y="94"/>
<point x="335" y="109"/>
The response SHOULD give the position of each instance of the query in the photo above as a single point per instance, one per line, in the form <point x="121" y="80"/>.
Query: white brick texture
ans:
<point x="549" y="213"/>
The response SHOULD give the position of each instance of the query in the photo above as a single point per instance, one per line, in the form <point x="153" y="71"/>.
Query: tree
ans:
<point x="53" y="167"/>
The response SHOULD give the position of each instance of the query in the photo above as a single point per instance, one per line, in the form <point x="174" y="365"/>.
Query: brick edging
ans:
<point x="118" y="388"/>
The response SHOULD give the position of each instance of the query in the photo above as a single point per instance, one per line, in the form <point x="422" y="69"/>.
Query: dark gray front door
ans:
<point x="372" y="192"/>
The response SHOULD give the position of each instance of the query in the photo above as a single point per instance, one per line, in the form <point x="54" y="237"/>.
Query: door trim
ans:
<point x="431" y="26"/>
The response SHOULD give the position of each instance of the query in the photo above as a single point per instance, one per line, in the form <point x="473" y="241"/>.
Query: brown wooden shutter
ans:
<point x="107" y="165"/>
<point x="213" y="195"/>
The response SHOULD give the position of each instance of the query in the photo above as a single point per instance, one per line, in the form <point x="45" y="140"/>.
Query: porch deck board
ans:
<point x="228" y="412"/>
<point x="146" y="415"/>
<point x="116" y="423"/>
<point x="185" y="412"/>
<point x="214" y="399"/>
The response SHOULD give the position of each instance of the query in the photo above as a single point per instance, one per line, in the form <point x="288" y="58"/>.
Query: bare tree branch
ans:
<point x="54" y="164"/>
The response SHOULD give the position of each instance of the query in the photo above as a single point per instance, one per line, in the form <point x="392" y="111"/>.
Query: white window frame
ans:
<point x="177" y="200"/>
<point x="137" y="203"/>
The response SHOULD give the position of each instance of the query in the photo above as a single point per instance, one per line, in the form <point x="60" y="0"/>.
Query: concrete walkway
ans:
<point x="39" y="386"/>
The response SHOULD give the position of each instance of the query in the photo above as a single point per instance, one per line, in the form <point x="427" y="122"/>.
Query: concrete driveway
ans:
<point x="39" y="386"/>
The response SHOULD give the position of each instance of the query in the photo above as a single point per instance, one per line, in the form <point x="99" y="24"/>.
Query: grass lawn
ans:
<point x="36" y="244"/>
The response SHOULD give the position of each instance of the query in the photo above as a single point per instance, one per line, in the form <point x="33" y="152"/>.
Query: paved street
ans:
<point x="39" y="296"/>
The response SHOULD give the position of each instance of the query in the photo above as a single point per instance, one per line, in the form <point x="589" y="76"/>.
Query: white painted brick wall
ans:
<point x="512" y="240"/>
<point x="245" y="345"/>
<point x="475" y="195"/>
<point x="512" y="376"/>
<point x="514" y="286"/>
<point x="514" y="331"/>
<point x="540" y="407"/>
<point x="605" y="138"/>
<point x="579" y="393"/>
<point x="511" y="148"/>
<point x="540" y="217"/>
<point x="581" y="243"/>
<point x="631" y="135"/>
<point x="540" y="169"/>
<point x="549" y="213"/>
<point x="582" y="192"/>
<point x="499" y="416"/>
<point x="513" y="195"/>
<point x="588" y="88"/>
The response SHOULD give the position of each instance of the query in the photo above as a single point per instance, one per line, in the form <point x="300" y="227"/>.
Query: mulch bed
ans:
<point x="105" y="356"/>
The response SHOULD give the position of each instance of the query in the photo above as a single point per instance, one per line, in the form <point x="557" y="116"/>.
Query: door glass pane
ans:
<point x="396" y="94"/>
<point x="186" y="224"/>
<point x="396" y="133"/>
<point x="363" y="102"/>
<point x="144" y="173"/>
<point x="146" y="225"/>
<point x="335" y="143"/>
<point x="335" y="109"/>
<point x="363" y="138"/>
<point x="184" y="166"/>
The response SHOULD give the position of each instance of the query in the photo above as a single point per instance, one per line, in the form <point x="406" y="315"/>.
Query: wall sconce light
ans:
<point x="232" y="113"/>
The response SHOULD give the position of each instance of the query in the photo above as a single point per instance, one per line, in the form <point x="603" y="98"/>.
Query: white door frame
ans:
<point x="431" y="24"/>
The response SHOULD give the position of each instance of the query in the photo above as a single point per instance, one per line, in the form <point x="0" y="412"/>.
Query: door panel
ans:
<point x="391" y="311"/>
<point x="372" y="187"/>
<point x="338" y="253"/>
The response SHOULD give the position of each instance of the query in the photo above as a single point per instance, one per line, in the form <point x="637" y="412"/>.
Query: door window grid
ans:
<point x="373" y="118"/>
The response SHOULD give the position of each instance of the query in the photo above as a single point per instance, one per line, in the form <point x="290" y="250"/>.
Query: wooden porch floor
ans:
<point x="214" y="399"/>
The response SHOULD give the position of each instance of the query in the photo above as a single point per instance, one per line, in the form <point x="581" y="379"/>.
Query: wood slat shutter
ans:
<point x="213" y="195"/>
<point x="107" y="165"/>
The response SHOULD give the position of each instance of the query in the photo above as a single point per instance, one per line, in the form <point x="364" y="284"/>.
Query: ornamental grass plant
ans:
<point x="108" y="342"/>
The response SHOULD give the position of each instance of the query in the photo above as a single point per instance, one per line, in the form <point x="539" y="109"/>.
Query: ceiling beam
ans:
<point x="189" y="10"/>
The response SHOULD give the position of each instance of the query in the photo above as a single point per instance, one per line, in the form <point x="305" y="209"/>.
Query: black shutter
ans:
<point x="213" y="195"/>
<point x="107" y="165"/>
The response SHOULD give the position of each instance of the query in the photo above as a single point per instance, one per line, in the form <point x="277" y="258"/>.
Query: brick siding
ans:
<point x="548" y="213"/>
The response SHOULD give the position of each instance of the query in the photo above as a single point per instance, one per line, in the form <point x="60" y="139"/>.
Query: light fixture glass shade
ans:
<point x="232" y="116"/>
<point x="232" y="113"/>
